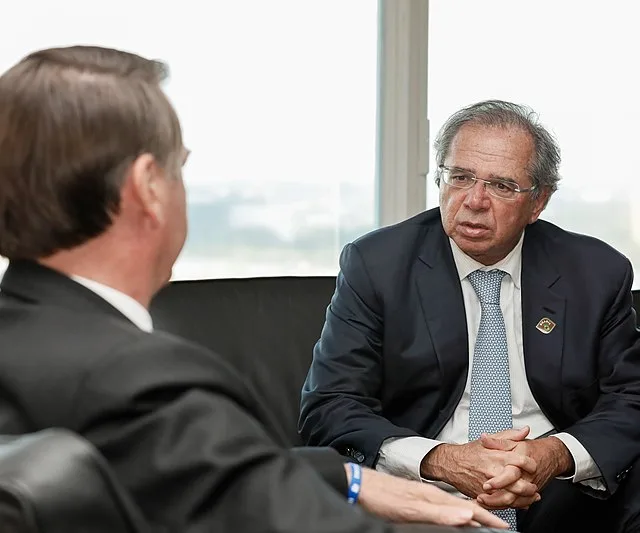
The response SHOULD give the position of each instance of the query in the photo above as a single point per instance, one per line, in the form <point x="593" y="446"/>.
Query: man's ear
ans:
<point x="145" y="179"/>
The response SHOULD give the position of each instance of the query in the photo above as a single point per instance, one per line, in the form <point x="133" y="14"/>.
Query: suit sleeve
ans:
<point x="328" y="463"/>
<point x="176" y="426"/>
<point x="611" y="432"/>
<point x="340" y="404"/>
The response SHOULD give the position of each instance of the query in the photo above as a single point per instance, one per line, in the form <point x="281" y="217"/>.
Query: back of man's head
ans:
<point x="72" y="121"/>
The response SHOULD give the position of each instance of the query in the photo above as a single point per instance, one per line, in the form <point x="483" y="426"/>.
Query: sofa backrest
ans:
<point x="265" y="327"/>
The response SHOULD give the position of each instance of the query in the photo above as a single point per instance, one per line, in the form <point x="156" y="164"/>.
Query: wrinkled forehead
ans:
<point x="492" y="150"/>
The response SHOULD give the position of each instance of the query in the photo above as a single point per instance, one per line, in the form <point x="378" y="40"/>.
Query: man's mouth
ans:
<point x="474" y="225"/>
<point x="472" y="229"/>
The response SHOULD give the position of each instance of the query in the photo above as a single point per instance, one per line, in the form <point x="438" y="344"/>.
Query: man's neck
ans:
<point x="124" y="273"/>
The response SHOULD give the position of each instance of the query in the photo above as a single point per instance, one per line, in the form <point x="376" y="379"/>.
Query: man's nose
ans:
<point x="477" y="196"/>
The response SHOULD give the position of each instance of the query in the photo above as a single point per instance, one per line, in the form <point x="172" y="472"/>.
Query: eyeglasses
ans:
<point x="464" y="179"/>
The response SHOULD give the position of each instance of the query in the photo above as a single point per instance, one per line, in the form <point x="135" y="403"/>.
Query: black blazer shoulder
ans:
<point x="401" y="236"/>
<point x="165" y="413"/>
<point x="582" y="262"/>
<point x="388" y="254"/>
<point x="570" y="244"/>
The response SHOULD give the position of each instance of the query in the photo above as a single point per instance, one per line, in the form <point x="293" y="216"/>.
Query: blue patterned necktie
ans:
<point x="490" y="402"/>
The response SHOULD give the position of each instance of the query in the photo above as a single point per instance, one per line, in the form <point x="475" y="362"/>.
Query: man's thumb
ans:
<point x="494" y="443"/>
<point x="513" y="434"/>
<point x="505" y="440"/>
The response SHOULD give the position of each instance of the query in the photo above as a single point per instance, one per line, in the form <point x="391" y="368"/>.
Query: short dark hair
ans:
<point x="72" y="120"/>
<point x="544" y="168"/>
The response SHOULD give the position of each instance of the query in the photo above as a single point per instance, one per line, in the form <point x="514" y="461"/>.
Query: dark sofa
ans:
<point x="265" y="327"/>
<point x="54" y="481"/>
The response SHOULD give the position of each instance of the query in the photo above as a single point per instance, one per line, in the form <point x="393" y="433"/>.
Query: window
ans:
<point x="278" y="104"/>
<point x="578" y="69"/>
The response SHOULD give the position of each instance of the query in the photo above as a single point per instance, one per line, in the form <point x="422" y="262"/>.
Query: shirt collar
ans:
<point x="511" y="264"/>
<point x="129" y="307"/>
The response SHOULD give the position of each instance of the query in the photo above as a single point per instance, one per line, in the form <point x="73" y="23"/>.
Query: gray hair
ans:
<point x="543" y="169"/>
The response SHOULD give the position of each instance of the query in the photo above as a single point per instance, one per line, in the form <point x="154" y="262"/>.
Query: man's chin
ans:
<point x="474" y="247"/>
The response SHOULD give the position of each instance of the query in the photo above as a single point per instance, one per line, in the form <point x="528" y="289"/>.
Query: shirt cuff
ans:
<point x="586" y="471"/>
<point x="402" y="456"/>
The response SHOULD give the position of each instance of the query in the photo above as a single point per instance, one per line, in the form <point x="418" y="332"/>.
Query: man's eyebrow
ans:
<point x="491" y="176"/>
<point x="502" y="178"/>
<point x="456" y="167"/>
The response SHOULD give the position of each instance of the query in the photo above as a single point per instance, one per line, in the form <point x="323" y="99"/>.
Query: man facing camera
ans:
<point x="480" y="347"/>
<point x="92" y="218"/>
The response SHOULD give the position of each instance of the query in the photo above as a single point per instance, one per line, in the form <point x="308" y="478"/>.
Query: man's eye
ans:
<point x="503" y="186"/>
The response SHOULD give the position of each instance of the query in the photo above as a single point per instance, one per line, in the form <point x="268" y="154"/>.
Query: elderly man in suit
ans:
<point x="92" y="218"/>
<point x="475" y="330"/>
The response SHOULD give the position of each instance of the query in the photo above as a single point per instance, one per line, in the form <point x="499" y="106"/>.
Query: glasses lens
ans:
<point x="458" y="178"/>
<point x="502" y="189"/>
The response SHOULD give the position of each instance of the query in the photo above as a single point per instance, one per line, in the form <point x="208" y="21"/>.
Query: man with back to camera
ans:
<point x="476" y="318"/>
<point x="93" y="216"/>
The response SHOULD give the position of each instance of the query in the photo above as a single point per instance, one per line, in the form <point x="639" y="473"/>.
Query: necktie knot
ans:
<point x="487" y="285"/>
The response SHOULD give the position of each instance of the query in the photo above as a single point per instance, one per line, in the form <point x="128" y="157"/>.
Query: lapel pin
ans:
<point x="546" y="325"/>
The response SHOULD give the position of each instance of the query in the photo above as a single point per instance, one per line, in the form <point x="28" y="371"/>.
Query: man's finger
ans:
<point x="523" y="487"/>
<point x="505" y="440"/>
<point x="520" y="487"/>
<point x="494" y="443"/>
<point x="500" y="499"/>
<point x="453" y="516"/>
<point x="487" y="518"/>
<point x="447" y="501"/>
<point x="522" y="461"/>
<point x="512" y="434"/>
<point x="503" y="499"/>
<point x="509" y="475"/>
<point x="445" y="515"/>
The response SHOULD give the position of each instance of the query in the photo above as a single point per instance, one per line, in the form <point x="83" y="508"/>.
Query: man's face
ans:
<point x="177" y="212"/>
<point x="170" y="195"/>
<point x="484" y="227"/>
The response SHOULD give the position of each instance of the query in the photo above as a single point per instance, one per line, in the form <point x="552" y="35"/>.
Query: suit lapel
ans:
<point x="35" y="283"/>
<point x="443" y="306"/>
<point x="543" y="320"/>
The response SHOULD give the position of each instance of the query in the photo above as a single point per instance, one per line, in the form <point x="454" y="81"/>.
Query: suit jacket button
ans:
<point x="359" y="456"/>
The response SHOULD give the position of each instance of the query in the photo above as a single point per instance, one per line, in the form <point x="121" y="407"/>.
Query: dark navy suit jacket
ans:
<point x="393" y="357"/>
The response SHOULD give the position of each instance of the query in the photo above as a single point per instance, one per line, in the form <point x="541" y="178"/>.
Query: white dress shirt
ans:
<point x="402" y="456"/>
<point x="129" y="307"/>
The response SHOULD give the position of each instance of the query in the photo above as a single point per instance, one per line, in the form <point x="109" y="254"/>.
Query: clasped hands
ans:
<point x="500" y="470"/>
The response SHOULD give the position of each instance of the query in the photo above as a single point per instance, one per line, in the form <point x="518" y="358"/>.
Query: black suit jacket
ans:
<point x="179" y="427"/>
<point x="392" y="359"/>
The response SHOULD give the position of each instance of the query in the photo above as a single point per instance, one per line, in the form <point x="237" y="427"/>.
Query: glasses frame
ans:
<point x="490" y="191"/>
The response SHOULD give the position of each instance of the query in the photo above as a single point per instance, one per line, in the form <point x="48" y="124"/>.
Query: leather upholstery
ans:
<point x="53" y="481"/>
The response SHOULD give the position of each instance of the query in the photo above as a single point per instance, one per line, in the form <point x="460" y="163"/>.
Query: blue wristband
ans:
<point x="356" y="483"/>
